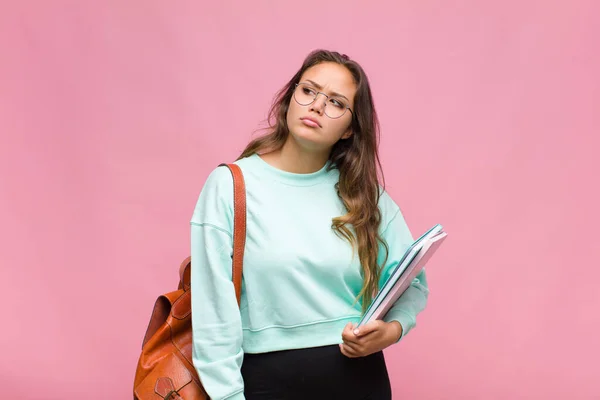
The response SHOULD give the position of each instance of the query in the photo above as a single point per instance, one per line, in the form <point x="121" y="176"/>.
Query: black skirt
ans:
<point x="315" y="373"/>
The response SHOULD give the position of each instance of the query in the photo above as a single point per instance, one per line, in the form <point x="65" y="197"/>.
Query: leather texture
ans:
<point x="165" y="369"/>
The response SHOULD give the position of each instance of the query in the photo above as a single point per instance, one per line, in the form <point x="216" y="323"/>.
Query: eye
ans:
<point x="308" y="90"/>
<point x="337" y="103"/>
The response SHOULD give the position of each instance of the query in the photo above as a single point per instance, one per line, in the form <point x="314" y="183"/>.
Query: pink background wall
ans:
<point x="112" y="114"/>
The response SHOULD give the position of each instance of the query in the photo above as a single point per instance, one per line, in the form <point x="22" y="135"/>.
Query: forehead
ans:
<point x="332" y="77"/>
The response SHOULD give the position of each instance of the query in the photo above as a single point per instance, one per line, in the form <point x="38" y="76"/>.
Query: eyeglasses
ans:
<point x="335" y="106"/>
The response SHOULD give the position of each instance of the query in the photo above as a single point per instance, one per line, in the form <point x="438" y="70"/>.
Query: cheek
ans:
<point x="292" y="113"/>
<point x="336" y="128"/>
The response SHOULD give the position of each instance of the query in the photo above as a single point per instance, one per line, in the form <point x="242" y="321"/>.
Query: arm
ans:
<point x="216" y="323"/>
<point x="401" y="318"/>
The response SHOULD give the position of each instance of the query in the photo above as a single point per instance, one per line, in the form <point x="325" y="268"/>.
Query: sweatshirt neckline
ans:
<point x="292" y="178"/>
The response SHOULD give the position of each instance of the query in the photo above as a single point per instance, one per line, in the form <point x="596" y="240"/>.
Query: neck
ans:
<point x="293" y="158"/>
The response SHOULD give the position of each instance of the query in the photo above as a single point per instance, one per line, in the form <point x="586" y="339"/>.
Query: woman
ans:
<point x="322" y="237"/>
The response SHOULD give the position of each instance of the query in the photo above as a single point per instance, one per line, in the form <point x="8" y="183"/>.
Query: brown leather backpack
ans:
<point x="165" y="369"/>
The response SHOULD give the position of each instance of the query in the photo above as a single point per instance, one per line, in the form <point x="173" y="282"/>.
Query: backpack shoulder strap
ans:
<point x="239" y="227"/>
<point x="239" y="235"/>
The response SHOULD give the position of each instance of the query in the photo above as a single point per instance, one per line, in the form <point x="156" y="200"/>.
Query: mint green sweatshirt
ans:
<point x="300" y="279"/>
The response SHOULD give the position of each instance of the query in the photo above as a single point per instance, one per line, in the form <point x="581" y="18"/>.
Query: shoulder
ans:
<point x="218" y="186"/>
<point x="386" y="204"/>
<point x="390" y="210"/>
<point x="219" y="183"/>
<point x="215" y="202"/>
<point x="220" y="179"/>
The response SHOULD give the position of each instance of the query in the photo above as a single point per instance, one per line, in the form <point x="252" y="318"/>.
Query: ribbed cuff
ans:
<point x="406" y="321"/>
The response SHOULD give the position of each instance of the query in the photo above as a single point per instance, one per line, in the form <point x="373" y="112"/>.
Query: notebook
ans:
<point x="412" y="262"/>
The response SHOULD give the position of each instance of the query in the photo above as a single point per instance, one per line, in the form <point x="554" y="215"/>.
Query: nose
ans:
<point x="319" y="104"/>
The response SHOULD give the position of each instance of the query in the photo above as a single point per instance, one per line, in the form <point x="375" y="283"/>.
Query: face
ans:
<point x="309" y="124"/>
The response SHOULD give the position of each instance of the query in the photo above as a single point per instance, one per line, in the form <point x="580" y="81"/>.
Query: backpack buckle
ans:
<point x="165" y="389"/>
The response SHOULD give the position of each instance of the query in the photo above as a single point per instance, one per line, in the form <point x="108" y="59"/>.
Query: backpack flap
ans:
<point x="169" y="379"/>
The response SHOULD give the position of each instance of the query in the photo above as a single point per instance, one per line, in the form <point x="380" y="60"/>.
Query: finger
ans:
<point x="355" y="347"/>
<point x="351" y="351"/>
<point x="367" y="328"/>
<point x="348" y="335"/>
<point x="347" y="329"/>
<point x="347" y="351"/>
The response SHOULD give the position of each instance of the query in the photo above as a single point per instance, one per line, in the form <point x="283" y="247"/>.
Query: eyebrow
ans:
<point x="335" y="94"/>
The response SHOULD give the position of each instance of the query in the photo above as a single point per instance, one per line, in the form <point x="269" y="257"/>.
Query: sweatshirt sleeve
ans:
<point x="216" y="323"/>
<point x="399" y="238"/>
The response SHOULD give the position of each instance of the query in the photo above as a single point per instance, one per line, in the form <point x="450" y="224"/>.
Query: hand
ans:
<point x="371" y="338"/>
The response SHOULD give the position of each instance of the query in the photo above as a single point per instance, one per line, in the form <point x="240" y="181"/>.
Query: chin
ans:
<point x="301" y="131"/>
<point x="308" y="139"/>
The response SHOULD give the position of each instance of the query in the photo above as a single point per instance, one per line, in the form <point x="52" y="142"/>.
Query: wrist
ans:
<point x="396" y="330"/>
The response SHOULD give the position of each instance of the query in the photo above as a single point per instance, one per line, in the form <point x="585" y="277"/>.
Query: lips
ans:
<point x="310" y="122"/>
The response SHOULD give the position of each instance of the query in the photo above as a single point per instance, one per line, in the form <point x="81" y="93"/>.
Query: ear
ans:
<point x="347" y="134"/>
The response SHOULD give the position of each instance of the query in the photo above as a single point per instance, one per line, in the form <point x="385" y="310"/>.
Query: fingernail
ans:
<point x="356" y="331"/>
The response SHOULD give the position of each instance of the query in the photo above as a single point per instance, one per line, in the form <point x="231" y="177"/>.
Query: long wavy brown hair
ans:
<point x="357" y="159"/>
